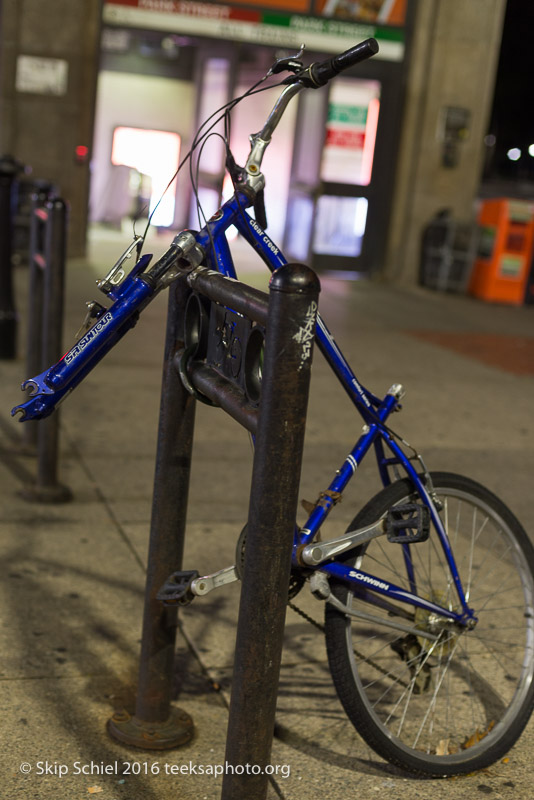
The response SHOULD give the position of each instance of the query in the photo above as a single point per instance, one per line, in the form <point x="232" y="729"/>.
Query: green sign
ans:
<point x="349" y="115"/>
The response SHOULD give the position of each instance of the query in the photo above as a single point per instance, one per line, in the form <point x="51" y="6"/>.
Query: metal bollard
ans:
<point x="9" y="168"/>
<point x="155" y="725"/>
<point x="272" y="512"/>
<point x="45" y="330"/>
<point x="36" y="298"/>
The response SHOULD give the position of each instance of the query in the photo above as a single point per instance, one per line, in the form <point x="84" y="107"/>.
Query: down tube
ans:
<point x="274" y="258"/>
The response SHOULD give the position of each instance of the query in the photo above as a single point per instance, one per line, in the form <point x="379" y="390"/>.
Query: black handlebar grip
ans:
<point x="324" y="71"/>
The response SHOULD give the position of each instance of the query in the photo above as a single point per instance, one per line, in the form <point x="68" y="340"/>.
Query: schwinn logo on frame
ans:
<point x="89" y="336"/>
<point x="368" y="579"/>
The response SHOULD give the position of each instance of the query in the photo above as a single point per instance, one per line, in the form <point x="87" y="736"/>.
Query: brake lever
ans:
<point x="288" y="64"/>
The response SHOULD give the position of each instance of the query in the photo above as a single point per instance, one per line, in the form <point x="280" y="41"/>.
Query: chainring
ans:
<point x="296" y="580"/>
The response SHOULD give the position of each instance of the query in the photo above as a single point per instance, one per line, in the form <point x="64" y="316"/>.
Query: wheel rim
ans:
<point x="463" y="692"/>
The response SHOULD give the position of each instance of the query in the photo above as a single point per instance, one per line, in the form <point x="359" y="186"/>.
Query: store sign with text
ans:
<point x="335" y="25"/>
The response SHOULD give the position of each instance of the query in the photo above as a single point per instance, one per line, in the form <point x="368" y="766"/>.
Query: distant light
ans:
<point x="490" y="140"/>
<point x="531" y="150"/>
<point x="81" y="151"/>
<point x="514" y="154"/>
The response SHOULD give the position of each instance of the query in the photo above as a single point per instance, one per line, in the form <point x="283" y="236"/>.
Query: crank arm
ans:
<point x="207" y="583"/>
<point x="317" y="552"/>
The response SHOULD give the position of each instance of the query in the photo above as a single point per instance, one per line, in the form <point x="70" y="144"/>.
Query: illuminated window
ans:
<point x="152" y="153"/>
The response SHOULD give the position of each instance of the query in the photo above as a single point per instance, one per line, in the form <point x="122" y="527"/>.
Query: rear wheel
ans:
<point x="459" y="703"/>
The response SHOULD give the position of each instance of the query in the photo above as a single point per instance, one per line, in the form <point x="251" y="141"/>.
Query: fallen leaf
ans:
<point x="477" y="736"/>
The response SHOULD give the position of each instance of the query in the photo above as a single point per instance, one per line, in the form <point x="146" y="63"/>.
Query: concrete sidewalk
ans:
<point x="73" y="579"/>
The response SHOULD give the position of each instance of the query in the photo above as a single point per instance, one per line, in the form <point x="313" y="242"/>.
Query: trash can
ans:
<point x="448" y="251"/>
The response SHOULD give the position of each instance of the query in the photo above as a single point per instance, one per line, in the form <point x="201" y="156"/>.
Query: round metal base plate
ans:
<point x="177" y="730"/>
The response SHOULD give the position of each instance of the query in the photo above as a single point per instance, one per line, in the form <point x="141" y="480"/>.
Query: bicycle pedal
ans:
<point x="408" y="524"/>
<point x="177" y="588"/>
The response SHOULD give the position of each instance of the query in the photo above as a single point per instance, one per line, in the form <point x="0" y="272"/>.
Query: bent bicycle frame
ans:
<point x="373" y="410"/>
<point x="139" y="287"/>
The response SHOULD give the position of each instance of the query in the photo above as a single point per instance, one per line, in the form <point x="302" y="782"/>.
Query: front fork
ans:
<point x="130" y="295"/>
<point x="49" y="388"/>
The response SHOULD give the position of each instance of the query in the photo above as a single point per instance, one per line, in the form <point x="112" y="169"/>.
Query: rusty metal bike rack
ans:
<point x="47" y="259"/>
<point x="263" y="383"/>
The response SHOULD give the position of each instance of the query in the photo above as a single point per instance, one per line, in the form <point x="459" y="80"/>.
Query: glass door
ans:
<point x="345" y="151"/>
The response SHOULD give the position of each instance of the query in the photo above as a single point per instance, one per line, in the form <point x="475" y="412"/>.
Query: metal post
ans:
<point x="36" y="267"/>
<point x="272" y="513"/>
<point x="50" y="260"/>
<point x="155" y="725"/>
<point x="8" y="315"/>
<point x="48" y="487"/>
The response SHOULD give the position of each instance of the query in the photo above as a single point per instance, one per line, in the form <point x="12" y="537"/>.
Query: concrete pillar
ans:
<point x="47" y="105"/>
<point x="453" y="60"/>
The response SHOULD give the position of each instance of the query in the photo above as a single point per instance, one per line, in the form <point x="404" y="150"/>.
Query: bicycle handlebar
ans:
<point x="314" y="76"/>
<point x="323" y="71"/>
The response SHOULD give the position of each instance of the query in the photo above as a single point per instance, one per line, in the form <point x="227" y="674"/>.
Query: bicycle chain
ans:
<point x="359" y="655"/>
<point x="306" y="616"/>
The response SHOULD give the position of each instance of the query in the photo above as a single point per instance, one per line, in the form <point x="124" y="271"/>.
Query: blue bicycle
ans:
<point x="429" y="594"/>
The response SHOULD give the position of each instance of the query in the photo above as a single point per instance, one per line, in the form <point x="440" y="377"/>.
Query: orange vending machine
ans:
<point x="501" y="270"/>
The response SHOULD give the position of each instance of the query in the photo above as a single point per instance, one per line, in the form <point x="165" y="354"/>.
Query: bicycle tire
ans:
<point x="457" y="706"/>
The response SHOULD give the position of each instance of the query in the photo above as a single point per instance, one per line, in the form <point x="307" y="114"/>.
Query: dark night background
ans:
<point x="512" y="118"/>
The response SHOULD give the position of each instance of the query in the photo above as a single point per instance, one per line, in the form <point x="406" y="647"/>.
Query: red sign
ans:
<point x="342" y="137"/>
